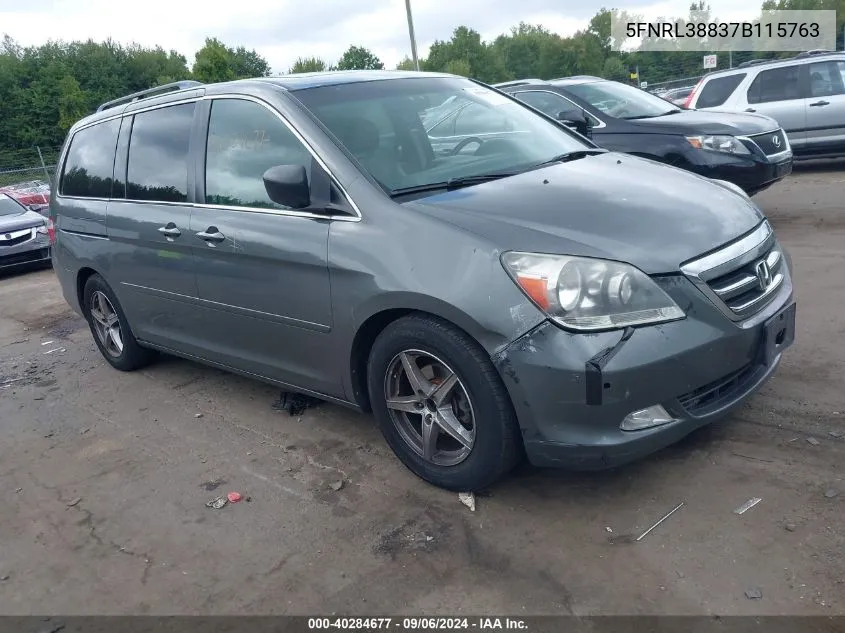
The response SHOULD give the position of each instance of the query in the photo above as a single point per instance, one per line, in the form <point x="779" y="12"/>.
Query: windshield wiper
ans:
<point x="452" y="183"/>
<point x="574" y="155"/>
<point x="652" y="116"/>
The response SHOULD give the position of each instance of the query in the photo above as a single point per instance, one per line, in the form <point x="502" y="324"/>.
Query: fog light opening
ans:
<point x="653" y="416"/>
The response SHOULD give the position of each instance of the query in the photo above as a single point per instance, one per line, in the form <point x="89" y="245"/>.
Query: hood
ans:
<point x="612" y="206"/>
<point x="695" y="122"/>
<point x="23" y="220"/>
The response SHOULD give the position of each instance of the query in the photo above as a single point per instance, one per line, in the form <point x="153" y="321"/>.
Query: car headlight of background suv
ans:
<point x="719" y="143"/>
<point x="585" y="294"/>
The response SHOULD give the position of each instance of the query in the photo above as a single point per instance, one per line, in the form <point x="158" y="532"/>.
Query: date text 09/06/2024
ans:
<point x="681" y="30"/>
<point x="418" y="624"/>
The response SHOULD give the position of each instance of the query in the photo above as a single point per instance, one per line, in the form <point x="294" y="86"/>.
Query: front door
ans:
<point x="779" y="93"/>
<point x="262" y="270"/>
<point x="151" y="263"/>
<point x="826" y="107"/>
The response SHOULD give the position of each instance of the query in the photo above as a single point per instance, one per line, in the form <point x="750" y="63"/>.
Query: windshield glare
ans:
<point x="9" y="206"/>
<point x="423" y="131"/>
<point x="620" y="100"/>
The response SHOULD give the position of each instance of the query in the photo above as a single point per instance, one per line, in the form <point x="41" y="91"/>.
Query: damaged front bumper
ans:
<point x="572" y="391"/>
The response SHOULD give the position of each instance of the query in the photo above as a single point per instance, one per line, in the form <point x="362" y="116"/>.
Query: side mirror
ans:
<point x="288" y="185"/>
<point x="575" y="120"/>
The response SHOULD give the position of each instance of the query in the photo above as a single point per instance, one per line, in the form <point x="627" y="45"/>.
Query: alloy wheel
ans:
<point x="106" y="324"/>
<point x="430" y="407"/>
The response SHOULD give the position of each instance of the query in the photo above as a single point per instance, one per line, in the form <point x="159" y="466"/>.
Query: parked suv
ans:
<point x="748" y="150"/>
<point x="521" y="292"/>
<point x="804" y="94"/>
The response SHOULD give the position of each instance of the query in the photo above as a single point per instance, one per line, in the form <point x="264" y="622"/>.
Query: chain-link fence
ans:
<point x="26" y="165"/>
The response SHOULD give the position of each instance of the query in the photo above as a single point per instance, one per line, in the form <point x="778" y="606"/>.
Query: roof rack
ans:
<point x="150" y="92"/>
<point x="518" y="82"/>
<point x="577" y="77"/>
<point x="814" y="52"/>
<point x="757" y="62"/>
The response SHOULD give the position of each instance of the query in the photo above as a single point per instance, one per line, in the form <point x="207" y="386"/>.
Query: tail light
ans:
<point x="692" y="94"/>
<point x="49" y="229"/>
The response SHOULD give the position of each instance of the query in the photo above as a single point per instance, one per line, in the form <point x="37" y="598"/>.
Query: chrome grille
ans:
<point x="14" y="238"/>
<point x="742" y="277"/>
<point x="771" y="142"/>
<point x="749" y="286"/>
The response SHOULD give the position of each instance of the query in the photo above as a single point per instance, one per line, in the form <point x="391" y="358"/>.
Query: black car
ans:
<point x="749" y="150"/>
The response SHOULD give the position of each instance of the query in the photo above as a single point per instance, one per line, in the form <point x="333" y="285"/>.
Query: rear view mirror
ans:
<point x="288" y="185"/>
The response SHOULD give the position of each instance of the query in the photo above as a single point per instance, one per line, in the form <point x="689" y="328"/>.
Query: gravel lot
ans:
<point x="105" y="477"/>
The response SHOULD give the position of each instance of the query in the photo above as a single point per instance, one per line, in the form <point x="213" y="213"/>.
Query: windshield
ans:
<point x="423" y="131"/>
<point x="9" y="206"/>
<point x="620" y="100"/>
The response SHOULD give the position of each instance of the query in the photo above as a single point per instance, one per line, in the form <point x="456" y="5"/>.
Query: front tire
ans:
<point x="441" y="405"/>
<point x="110" y="329"/>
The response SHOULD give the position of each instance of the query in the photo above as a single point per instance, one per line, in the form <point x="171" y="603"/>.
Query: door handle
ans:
<point x="819" y="104"/>
<point x="170" y="231"/>
<point x="211" y="236"/>
<point x="750" y="110"/>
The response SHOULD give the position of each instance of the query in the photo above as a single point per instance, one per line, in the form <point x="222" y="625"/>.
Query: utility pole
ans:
<point x="411" y="34"/>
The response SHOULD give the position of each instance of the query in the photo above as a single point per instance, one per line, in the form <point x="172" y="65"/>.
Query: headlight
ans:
<point x="590" y="294"/>
<point x="725" y="144"/>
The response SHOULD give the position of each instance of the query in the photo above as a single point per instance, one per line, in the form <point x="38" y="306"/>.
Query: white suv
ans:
<point x="805" y="94"/>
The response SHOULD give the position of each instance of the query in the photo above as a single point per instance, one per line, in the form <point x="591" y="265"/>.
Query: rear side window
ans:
<point x="551" y="103"/>
<point x="777" y="84"/>
<point x="716" y="91"/>
<point x="825" y="79"/>
<point x="90" y="161"/>
<point x="158" y="154"/>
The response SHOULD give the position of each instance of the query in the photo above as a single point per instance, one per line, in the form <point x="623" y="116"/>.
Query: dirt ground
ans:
<point x="104" y="477"/>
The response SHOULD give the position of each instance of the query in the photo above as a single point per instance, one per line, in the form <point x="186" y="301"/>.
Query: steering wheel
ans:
<point x="470" y="139"/>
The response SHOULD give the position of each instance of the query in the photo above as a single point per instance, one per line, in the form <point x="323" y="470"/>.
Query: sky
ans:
<point x="282" y="30"/>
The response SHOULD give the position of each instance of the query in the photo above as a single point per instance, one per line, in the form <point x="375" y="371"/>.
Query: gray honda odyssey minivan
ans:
<point x="512" y="290"/>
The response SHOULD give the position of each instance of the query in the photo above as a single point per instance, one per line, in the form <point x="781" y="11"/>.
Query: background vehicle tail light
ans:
<point x="691" y="95"/>
<point x="49" y="228"/>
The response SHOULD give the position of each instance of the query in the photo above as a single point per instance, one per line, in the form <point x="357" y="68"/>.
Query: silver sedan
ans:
<point x="25" y="236"/>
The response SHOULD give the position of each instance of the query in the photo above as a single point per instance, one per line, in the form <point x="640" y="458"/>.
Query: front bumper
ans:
<point x="699" y="369"/>
<point x="34" y="250"/>
<point x="753" y="173"/>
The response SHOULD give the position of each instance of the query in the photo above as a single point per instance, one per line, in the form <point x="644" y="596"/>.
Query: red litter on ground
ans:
<point x="234" y="497"/>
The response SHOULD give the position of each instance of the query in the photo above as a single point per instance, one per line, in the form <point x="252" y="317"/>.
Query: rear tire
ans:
<point x="110" y="329"/>
<point x="452" y="424"/>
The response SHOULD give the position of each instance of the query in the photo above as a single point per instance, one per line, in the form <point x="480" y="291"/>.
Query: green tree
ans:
<point x="307" y="65"/>
<point x="407" y="64"/>
<point x="72" y="103"/>
<point x="359" y="58"/>
<point x="213" y="62"/>
<point x="458" y="67"/>
<point x="485" y="61"/>
<point x="217" y="62"/>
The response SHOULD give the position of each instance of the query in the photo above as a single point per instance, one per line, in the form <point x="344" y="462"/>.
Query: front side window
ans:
<point x="90" y="161"/>
<point x="825" y="79"/>
<point x="246" y="139"/>
<point x="397" y="129"/>
<point x="717" y="90"/>
<point x="158" y="154"/>
<point x="552" y="104"/>
<point x="621" y="101"/>
<point x="777" y="84"/>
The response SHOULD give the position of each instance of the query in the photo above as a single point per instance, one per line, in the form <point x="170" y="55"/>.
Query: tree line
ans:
<point x="45" y="89"/>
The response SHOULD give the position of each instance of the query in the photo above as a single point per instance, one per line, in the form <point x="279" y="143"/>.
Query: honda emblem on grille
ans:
<point x="776" y="140"/>
<point x="764" y="275"/>
<point x="8" y="236"/>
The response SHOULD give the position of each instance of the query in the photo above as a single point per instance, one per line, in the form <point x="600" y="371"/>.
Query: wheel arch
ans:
<point x="385" y="312"/>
